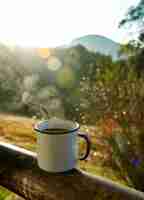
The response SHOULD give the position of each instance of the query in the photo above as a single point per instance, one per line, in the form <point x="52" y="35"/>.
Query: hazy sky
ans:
<point x="56" y="22"/>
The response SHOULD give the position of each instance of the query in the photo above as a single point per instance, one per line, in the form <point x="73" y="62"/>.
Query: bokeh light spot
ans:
<point x="54" y="63"/>
<point x="44" y="52"/>
<point x="66" y="77"/>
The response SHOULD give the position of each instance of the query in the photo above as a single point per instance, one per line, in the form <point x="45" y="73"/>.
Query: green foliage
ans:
<point x="4" y="193"/>
<point x="135" y="48"/>
<point x="135" y="15"/>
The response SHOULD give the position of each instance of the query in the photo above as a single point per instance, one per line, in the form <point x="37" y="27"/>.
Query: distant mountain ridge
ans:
<point x="99" y="44"/>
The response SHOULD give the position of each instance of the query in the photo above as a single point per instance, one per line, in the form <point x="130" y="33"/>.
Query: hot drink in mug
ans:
<point x="57" y="146"/>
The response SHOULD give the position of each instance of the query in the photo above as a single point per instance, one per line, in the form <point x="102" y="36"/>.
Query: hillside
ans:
<point x="99" y="44"/>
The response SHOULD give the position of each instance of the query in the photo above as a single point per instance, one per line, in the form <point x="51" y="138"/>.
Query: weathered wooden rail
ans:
<point x="20" y="174"/>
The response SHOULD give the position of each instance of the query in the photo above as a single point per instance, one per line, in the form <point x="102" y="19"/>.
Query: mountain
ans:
<point x="99" y="44"/>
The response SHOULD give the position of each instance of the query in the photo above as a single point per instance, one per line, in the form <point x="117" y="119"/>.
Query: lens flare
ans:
<point x="66" y="77"/>
<point x="44" y="52"/>
<point x="54" y="63"/>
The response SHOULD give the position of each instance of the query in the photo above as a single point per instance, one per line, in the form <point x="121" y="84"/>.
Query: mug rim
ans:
<point x="50" y="131"/>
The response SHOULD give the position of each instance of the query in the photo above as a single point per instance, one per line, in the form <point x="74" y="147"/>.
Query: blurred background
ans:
<point x="82" y="61"/>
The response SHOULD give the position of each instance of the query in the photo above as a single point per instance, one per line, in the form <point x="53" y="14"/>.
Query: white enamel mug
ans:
<point x="57" y="146"/>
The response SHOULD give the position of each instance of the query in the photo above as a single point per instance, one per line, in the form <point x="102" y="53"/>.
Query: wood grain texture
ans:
<point x="19" y="173"/>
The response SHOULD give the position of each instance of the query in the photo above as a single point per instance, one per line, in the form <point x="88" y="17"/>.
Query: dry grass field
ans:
<point x="19" y="131"/>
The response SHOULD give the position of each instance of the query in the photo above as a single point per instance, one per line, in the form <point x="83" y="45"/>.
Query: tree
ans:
<point x="135" y="17"/>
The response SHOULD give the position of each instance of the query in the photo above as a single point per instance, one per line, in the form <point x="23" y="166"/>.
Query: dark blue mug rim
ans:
<point x="50" y="131"/>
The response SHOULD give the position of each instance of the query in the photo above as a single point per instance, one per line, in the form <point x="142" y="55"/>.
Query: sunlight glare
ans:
<point x="52" y="23"/>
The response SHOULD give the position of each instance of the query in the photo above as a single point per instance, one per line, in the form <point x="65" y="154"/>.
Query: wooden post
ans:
<point x="19" y="173"/>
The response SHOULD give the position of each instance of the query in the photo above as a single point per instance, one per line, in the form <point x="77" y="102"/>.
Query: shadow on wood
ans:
<point x="19" y="173"/>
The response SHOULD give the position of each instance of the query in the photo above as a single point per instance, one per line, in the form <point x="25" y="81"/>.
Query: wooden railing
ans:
<point x="19" y="173"/>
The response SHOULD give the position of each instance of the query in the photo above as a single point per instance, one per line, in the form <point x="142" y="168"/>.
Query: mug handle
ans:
<point x="86" y="138"/>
